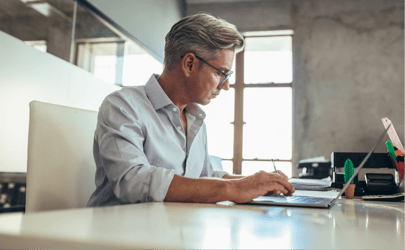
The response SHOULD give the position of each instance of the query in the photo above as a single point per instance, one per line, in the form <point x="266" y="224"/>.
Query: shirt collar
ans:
<point x="155" y="93"/>
<point x="195" y="110"/>
<point x="159" y="99"/>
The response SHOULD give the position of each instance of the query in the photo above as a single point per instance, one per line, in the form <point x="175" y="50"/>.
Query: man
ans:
<point x="151" y="141"/>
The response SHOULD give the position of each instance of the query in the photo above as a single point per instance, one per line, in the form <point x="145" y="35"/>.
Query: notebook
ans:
<point x="307" y="201"/>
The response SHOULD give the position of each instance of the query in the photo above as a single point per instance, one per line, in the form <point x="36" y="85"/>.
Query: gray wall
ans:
<point x="148" y="21"/>
<point x="348" y="67"/>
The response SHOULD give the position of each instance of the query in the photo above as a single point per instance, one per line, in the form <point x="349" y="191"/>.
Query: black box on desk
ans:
<point x="12" y="192"/>
<point x="315" y="170"/>
<point x="378" y="163"/>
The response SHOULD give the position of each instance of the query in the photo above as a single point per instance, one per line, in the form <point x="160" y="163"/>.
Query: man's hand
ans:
<point x="258" y="184"/>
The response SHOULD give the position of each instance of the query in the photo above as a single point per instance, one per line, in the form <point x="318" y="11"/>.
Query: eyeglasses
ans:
<point x="226" y="76"/>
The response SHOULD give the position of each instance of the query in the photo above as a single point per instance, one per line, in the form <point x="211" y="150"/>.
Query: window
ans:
<point x="107" y="52"/>
<point x="138" y="66"/>
<point x="251" y="124"/>
<point x="99" y="59"/>
<point x="76" y="32"/>
<point x="121" y="63"/>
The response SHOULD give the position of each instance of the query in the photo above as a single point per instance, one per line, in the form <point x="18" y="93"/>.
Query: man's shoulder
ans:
<point x="129" y="93"/>
<point x="131" y="99"/>
<point x="133" y="96"/>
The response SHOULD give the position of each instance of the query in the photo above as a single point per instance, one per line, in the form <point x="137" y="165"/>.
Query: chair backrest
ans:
<point x="61" y="168"/>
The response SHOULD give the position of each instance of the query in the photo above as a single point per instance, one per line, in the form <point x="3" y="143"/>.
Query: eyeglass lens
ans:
<point x="226" y="77"/>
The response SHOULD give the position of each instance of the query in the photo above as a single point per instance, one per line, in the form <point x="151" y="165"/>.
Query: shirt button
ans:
<point x="200" y="114"/>
<point x="174" y="109"/>
<point x="179" y="127"/>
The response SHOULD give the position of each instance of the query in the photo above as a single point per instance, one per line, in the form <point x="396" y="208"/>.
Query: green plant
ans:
<point x="348" y="171"/>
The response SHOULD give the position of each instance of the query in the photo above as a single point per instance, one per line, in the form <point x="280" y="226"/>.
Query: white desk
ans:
<point x="349" y="224"/>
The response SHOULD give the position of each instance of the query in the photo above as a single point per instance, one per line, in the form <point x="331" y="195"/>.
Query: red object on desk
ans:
<point x="399" y="162"/>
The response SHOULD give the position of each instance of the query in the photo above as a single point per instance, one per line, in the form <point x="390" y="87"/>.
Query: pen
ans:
<point x="274" y="166"/>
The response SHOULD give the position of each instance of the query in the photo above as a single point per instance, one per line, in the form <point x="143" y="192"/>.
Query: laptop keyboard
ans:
<point x="307" y="200"/>
<point x="293" y="199"/>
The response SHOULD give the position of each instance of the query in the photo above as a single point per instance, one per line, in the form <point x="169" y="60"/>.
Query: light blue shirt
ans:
<point x="140" y="144"/>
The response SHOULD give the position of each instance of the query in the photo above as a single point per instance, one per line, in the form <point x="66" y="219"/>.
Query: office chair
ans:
<point x="61" y="168"/>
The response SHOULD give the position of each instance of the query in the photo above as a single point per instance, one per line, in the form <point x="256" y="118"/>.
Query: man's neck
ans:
<point x="173" y="86"/>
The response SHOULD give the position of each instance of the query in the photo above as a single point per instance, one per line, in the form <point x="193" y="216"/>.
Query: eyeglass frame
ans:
<point x="226" y="75"/>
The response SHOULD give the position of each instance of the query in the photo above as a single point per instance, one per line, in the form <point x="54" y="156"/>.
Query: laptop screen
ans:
<point x="363" y="162"/>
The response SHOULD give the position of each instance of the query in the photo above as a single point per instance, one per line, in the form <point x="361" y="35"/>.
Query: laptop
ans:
<point x="307" y="201"/>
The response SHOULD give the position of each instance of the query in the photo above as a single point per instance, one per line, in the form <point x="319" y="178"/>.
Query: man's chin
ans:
<point x="204" y="102"/>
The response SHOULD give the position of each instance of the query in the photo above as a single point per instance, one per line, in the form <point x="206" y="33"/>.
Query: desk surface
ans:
<point x="349" y="224"/>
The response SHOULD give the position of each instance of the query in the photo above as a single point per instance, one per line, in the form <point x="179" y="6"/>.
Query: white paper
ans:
<point x="312" y="182"/>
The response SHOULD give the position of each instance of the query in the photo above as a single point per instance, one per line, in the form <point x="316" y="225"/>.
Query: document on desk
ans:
<point x="311" y="184"/>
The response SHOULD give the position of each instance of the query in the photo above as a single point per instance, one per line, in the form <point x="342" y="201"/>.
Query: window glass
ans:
<point x="109" y="56"/>
<point x="251" y="167"/>
<point x="124" y="64"/>
<point x="220" y="114"/>
<point x="97" y="47"/>
<point x="138" y="65"/>
<point x="99" y="59"/>
<point x="267" y="133"/>
<point x="227" y="166"/>
<point x="268" y="60"/>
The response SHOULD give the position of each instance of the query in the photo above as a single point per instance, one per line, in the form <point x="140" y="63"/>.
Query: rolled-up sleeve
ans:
<point x="219" y="173"/>
<point x="120" y="137"/>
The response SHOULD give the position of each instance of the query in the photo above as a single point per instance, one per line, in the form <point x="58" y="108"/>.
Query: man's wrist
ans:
<point x="230" y="190"/>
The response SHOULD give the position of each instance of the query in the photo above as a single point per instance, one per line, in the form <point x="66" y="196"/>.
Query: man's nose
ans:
<point x="224" y="86"/>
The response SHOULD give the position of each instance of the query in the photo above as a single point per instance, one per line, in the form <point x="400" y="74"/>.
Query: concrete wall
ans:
<point x="27" y="74"/>
<point x="348" y="67"/>
<point x="148" y="21"/>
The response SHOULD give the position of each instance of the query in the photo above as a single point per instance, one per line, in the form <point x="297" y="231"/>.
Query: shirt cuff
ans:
<point x="160" y="183"/>
<point x="219" y="173"/>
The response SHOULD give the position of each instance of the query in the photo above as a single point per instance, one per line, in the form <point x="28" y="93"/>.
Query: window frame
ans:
<point x="239" y="87"/>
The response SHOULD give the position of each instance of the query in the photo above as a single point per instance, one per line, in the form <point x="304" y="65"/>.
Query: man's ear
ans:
<point x="189" y="64"/>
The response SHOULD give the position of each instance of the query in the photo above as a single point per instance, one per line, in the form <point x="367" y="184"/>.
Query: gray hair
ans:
<point x="202" y="34"/>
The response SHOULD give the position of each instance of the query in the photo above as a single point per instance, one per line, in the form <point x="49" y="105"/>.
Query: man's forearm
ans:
<point x="239" y="190"/>
<point x="204" y="190"/>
